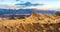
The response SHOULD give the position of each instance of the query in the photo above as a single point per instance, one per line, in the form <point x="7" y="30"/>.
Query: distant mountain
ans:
<point x="25" y="11"/>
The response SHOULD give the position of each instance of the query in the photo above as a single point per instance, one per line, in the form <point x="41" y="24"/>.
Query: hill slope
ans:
<point x="34" y="23"/>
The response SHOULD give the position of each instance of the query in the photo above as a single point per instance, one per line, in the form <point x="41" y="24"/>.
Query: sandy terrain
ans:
<point x="34" y="23"/>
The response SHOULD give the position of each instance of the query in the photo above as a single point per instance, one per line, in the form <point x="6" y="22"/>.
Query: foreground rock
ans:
<point x="34" y="23"/>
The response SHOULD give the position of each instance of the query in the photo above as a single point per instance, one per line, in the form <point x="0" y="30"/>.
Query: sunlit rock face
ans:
<point x="34" y="23"/>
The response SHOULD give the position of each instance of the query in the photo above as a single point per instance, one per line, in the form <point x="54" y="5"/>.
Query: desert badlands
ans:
<point x="34" y="23"/>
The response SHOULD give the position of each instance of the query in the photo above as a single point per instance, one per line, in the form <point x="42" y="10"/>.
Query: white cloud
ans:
<point x="48" y="4"/>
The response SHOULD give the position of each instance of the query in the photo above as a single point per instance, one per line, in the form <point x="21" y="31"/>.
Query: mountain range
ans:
<point x="25" y="11"/>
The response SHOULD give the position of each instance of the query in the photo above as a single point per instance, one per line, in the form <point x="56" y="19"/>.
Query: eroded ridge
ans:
<point x="34" y="23"/>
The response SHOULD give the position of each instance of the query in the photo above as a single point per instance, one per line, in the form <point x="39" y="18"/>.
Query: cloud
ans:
<point x="27" y="4"/>
<point x="24" y="4"/>
<point x="7" y="6"/>
<point x="17" y="0"/>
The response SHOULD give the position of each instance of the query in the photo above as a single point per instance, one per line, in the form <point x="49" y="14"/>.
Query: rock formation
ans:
<point x="58" y="13"/>
<point x="34" y="23"/>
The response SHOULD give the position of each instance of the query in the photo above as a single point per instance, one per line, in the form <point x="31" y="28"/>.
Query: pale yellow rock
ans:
<point x="31" y="23"/>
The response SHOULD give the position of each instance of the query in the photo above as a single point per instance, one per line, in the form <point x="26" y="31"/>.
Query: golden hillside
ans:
<point x="34" y="23"/>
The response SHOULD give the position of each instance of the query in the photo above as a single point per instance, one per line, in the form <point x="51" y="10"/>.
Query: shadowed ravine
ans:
<point x="34" y="23"/>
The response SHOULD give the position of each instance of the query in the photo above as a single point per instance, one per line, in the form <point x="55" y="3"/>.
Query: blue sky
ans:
<point x="48" y="4"/>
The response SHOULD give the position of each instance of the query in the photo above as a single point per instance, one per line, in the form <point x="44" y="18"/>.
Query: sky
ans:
<point x="48" y="4"/>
